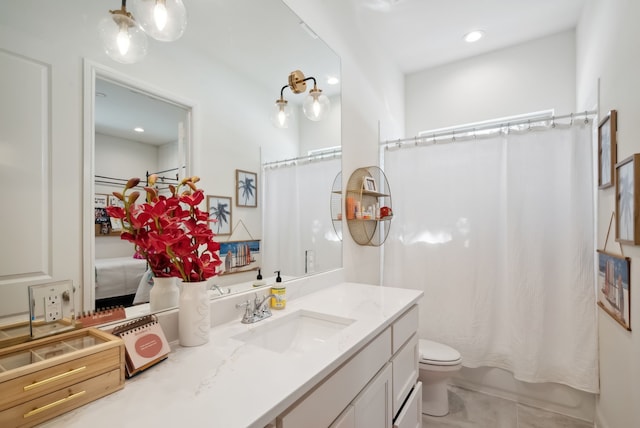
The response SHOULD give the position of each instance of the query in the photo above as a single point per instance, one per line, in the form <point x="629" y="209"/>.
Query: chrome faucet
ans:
<point x="219" y="290"/>
<point x="256" y="310"/>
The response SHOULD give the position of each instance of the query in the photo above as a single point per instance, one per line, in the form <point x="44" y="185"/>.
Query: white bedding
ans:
<point x="118" y="276"/>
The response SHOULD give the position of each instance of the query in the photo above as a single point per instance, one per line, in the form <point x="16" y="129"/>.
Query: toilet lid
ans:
<point x="437" y="353"/>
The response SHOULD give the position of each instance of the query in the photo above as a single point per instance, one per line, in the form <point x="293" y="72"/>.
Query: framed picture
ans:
<point x="219" y="209"/>
<point x="239" y="256"/>
<point x="627" y="200"/>
<point x="369" y="184"/>
<point x="246" y="189"/>
<point x="607" y="149"/>
<point x="614" y="287"/>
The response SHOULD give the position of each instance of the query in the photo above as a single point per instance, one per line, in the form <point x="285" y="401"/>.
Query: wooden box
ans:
<point x="44" y="378"/>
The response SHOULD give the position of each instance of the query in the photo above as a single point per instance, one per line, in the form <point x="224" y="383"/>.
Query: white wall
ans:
<point x="607" y="50"/>
<point x="533" y="76"/>
<point x="372" y="107"/>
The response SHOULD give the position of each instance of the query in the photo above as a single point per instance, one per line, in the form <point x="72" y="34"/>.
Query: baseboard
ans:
<point x="555" y="398"/>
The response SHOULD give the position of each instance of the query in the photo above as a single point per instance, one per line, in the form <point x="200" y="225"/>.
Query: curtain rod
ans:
<point x="309" y="158"/>
<point x="469" y="131"/>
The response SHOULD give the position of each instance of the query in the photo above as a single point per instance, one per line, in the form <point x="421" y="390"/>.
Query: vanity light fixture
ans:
<point x="122" y="37"/>
<point x="138" y="129"/>
<point x="315" y="106"/>
<point x="164" y="20"/>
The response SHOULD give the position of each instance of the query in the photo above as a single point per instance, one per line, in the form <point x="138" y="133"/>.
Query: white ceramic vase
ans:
<point x="164" y="294"/>
<point x="194" y="320"/>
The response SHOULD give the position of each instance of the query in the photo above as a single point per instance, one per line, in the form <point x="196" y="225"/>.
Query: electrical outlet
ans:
<point x="52" y="307"/>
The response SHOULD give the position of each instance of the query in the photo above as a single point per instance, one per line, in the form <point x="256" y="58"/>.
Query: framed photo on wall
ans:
<point x="614" y="287"/>
<point x="627" y="200"/>
<point x="246" y="189"/>
<point x="219" y="209"/>
<point x="607" y="149"/>
<point x="239" y="256"/>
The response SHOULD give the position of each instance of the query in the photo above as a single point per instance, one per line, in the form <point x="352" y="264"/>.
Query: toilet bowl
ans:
<point x="437" y="363"/>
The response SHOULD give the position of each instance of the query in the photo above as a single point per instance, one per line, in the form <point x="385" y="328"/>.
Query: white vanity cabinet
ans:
<point x="407" y="403"/>
<point x="375" y="388"/>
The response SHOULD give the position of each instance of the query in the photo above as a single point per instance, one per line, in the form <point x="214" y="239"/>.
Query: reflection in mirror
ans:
<point x="136" y="134"/>
<point x="230" y="65"/>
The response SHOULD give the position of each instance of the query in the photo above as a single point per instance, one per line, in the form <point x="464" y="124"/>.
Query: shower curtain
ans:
<point x="299" y="237"/>
<point x="498" y="233"/>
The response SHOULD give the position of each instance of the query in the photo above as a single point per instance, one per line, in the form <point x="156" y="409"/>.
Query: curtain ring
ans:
<point x="415" y="141"/>
<point x="553" y="121"/>
<point x="586" y="118"/>
<point x="434" y="138"/>
<point x="453" y="136"/>
<point x="528" y="124"/>
<point x="571" y="123"/>
<point x="474" y="133"/>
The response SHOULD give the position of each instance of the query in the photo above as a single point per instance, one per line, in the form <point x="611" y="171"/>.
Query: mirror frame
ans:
<point x="93" y="70"/>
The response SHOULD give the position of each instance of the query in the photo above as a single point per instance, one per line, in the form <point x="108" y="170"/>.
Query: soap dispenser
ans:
<point x="259" y="281"/>
<point x="279" y="290"/>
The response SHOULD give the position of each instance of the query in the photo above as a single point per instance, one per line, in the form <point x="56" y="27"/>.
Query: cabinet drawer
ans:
<point x="411" y="414"/>
<point x="346" y="420"/>
<point x="36" y="384"/>
<point x="404" y="327"/>
<point x="405" y="371"/>
<point x="55" y="403"/>
<point x="321" y="406"/>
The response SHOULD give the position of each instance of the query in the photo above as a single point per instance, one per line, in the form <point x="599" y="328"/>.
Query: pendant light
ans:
<point x="122" y="37"/>
<point x="315" y="106"/>
<point x="164" y="20"/>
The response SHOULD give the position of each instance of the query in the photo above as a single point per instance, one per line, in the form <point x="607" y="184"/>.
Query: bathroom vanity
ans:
<point x="344" y="356"/>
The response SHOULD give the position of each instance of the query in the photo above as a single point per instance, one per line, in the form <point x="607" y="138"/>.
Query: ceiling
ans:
<point x="420" y="34"/>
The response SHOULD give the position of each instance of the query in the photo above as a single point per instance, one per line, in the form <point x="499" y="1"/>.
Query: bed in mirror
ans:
<point x="222" y="79"/>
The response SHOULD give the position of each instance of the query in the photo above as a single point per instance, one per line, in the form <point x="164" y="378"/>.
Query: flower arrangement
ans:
<point x="170" y="232"/>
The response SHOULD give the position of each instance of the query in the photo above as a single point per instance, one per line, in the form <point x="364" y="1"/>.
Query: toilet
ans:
<point x="436" y="364"/>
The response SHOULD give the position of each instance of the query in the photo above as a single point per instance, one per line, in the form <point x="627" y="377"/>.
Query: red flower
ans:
<point x="170" y="232"/>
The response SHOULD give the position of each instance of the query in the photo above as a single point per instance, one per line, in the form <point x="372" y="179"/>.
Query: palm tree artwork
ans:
<point x="219" y="209"/>
<point x="246" y="191"/>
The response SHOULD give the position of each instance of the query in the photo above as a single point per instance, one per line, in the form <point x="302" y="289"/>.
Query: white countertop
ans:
<point x="227" y="383"/>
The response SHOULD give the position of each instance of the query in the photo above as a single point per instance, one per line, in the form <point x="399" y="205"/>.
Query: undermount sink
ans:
<point x="299" y="331"/>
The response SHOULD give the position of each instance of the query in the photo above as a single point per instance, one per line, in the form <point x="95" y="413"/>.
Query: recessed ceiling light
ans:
<point x="332" y="80"/>
<point x="473" y="36"/>
<point x="138" y="129"/>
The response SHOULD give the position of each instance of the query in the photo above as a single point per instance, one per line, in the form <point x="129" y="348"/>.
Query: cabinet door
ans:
<point x="405" y="371"/>
<point x="373" y="405"/>
<point x="411" y="414"/>
<point x="346" y="420"/>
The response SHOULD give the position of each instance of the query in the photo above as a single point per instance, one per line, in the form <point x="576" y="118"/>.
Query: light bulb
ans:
<point x="160" y="15"/>
<point x="316" y="105"/>
<point x="123" y="40"/>
<point x="281" y="113"/>
<point x="164" y="20"/>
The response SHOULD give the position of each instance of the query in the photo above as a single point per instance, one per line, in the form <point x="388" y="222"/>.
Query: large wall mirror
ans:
<point x="220" y="81"/>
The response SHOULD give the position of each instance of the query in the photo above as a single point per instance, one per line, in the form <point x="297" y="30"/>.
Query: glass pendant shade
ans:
<point x="316" y="105"/>
<point x="164" y="20"/>
<point x="122" y="38"/>
<point x="280" y="114"/>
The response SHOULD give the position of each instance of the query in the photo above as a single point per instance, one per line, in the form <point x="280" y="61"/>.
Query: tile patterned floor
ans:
<point x="469" y="409"/>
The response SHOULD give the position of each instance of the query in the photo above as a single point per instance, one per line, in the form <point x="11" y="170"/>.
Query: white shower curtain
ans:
<point x="297" y="218"/>
<point x="498" y="233"/>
